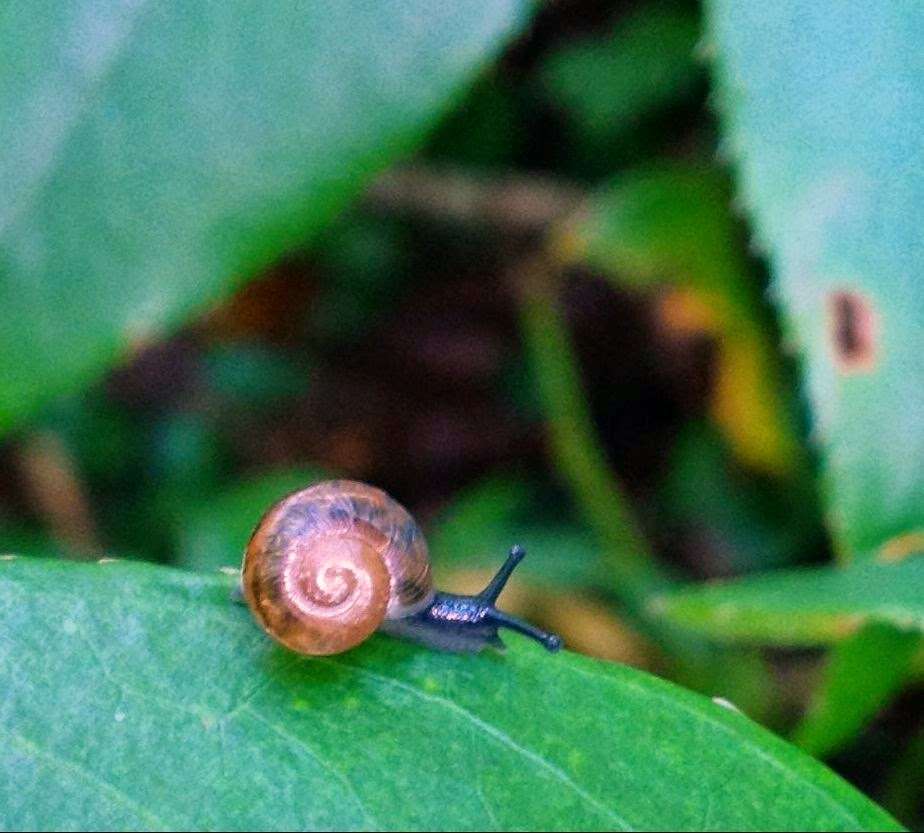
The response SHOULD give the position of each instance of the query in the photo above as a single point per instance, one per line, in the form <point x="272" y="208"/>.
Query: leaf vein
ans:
<point x="493" y="732"/>
<point x="32" y="748"/>
<point x="302" y="745"/>
<point x="707" y="719"/>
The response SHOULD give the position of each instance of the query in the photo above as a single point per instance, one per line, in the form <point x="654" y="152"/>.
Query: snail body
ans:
<point x="329" y="565"/>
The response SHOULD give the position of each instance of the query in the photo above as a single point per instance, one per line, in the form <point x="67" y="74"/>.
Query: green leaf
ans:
<point x="904" y="790"/>
<point x="28" y="541"/>
<point x="486" y="130"/>
<point x="608" y="84"/>
<point x="140" y="697"/>
<point x="484" y="521"/>
<point x="670" y="223"/>
<point x="253" y="375"/>
<point x="671" y="226"/>
<point x="862" y="674"/>
<point x="803" y="607"/>
<point x="822" y="113"/>
<point x="155" y="154"/>
<point x="745" y="523"/>
<point x="213" y="532"/>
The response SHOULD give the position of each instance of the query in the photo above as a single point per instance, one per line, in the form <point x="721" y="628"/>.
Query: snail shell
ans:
<point x="328" y="564"/>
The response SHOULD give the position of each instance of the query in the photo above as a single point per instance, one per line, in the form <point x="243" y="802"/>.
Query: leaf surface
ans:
<point x="821" y="113"/>
<point x="809" y="606"/>
<point x="137" y="696"/>
<point x="154" y="154"/>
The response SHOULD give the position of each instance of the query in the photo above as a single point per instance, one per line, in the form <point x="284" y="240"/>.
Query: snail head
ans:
<point x="455" y="622"/>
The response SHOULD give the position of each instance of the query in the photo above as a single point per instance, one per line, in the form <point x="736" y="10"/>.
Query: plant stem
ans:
<point x="512" y="204"/>
<point x="575" y="447"/>
<point x="580" y="459"/>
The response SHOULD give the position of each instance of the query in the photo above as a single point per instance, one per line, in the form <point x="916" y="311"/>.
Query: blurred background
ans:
<point x="547" y="327"/>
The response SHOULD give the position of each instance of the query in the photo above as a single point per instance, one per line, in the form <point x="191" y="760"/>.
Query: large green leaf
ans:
<point x="822" y="112"/>
<point x="137" y="696"/>
<point x="803" y="607"/>
<point x="155" y="153"/>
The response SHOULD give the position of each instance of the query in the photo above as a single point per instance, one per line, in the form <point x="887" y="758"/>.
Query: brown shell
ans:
<point x="327" y="564"/>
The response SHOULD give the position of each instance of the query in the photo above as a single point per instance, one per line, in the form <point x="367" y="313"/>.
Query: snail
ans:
<point x="329" y="565"/>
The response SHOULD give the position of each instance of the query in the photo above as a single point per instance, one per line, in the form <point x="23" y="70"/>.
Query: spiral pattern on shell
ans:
<point x="326" y="565"/>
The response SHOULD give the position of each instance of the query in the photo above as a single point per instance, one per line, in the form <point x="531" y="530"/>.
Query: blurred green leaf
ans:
<point x="607" y="84"/>
<point x="482" y="523"/>
<point x="803" y="607"/>
<point x="253" y="374"/>
<point x="861" y="675"/>
<point x="904" y="792"/>
<point x="153" y="156"/>
<point x="100" y="435"/>
<point x="746" y="523"/>
<point x="213" y="532"/>
<point x="669" y="223"/>
<point x="26" y="540"/>
<point x="485" y="130"/>
<point x="138" y="697"/>
<point x="822" y="114"/>
<point x="671" y="226"/>
<point x="365" y="261"/>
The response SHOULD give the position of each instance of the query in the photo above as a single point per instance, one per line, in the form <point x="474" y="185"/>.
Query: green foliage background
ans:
<point x="635" y="284"/>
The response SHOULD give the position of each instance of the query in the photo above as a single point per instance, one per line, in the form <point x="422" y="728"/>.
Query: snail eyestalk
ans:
<point x="497" y="584"/>
<point x="549" y="641"/>
<point x="504" y="620"/>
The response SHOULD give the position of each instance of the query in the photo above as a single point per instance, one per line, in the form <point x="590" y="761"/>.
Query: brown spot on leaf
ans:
<point x="853" y="328"/>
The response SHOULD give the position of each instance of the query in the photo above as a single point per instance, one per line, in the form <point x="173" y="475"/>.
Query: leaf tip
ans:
<point x="726" y="704"/>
